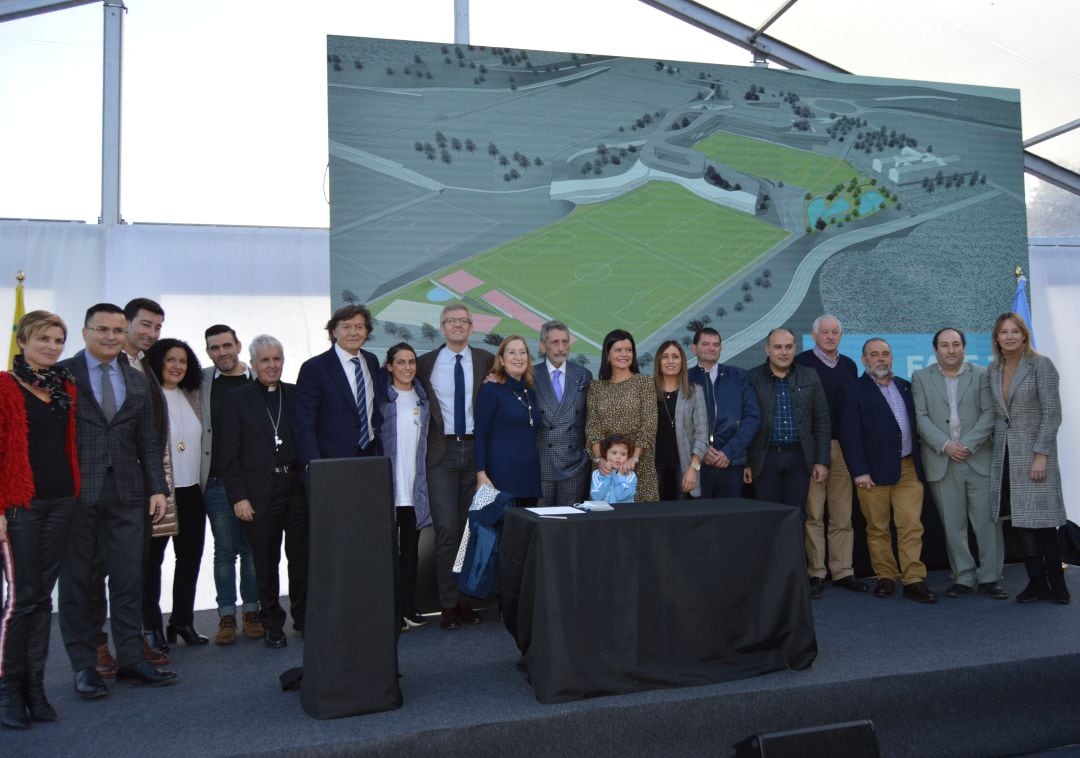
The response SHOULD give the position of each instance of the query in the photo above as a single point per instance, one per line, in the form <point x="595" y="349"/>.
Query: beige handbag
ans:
<point x="170" y="525"/>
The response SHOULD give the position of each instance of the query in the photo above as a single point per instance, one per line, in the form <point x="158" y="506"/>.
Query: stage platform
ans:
<point x="968" y="677"/>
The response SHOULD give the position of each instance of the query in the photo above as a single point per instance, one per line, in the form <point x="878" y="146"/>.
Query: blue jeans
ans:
<point x="229" y="542"/>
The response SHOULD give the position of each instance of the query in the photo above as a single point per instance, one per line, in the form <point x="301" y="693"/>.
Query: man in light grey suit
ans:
<point x="562" y="387"/>
<point x="955" y="417"/>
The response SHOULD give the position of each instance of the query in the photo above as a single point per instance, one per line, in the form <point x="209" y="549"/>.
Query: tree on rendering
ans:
<point x="739" y="307"/>
<point x="504" y="161"/>
<point x="745" y="287"/>
<point x="537" y="161"/>
<point x="721" y="312"/>
<point x="694" y="324"/>
<point x="445" y="157"/>
<point x="428" y="332"/>
<point x="418" y="146"/>
<point x="493" y="338"/>
<point x="440" y="139"/>
<point x="456" y="144"/>
<point x="404" y="334"/>
<point x="586" y="169"/>
<point x="645" y="360"/>
<point x="359" y="65"/>
<point x="492" y="150"/>
<point x="820" y="223"/>
<point x="348" y="296"/>
<point x="581" y="359"/>
<point x="390" y="328"/>
<point x="470" y="146"/>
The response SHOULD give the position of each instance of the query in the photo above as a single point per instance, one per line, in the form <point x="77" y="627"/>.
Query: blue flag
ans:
<point x="1020" y="306"/>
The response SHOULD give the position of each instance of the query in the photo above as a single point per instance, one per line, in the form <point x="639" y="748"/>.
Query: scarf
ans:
<point x="51" y="380"/>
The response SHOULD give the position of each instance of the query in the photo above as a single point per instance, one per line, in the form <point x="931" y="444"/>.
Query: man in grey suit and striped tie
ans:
<point x="562" y="387"/>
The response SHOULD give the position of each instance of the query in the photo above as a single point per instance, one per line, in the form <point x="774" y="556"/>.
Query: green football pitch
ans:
<point x="633" y="263"/>
<point x="817" y="173"/>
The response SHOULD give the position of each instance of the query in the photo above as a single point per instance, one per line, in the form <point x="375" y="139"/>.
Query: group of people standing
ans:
<point x="106" y="455"/>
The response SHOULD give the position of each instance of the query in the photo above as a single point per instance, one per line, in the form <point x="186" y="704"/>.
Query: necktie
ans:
<point x="459" y="398"/>
<point x="108" y="395"/>
<point x="556" y="381"/>
<point x="361" y="402"/>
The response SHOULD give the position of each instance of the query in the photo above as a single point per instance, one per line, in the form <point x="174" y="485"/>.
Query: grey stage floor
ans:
<point x="907" y="666"/>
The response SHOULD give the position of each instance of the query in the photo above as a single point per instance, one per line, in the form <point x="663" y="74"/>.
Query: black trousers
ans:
<point x="188" y="549"/>
<point x="118" y="529"/>
<point x="669" y="479"/>
<point x="285" y="513"/>
<point x="408" y="556"/>
<point x="451" y="486"/>
<point x="784" y="477"/>
<point x="37" y="538"/>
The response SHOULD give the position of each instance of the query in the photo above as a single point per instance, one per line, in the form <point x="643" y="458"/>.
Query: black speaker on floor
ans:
<point x="350" y="641"/>
<point x="851" y="739"/>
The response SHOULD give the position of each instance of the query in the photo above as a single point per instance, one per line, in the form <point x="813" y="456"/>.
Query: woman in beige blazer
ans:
<point x="1025" y="480"/>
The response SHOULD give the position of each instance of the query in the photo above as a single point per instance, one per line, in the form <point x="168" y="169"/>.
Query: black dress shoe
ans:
<point x="994" y="591"/>
<point x="919" y="592"/>
<point x="187" y="633"/>
<point x="852" y="584"/>
<point x="467" y="614"/>
<point x="884" y="588"/>
<point x="275" y="638"/>
<point x="959" y="590"/>
<point x="89" y="685"/>
<point x="449" y="619"/>
<point x="143" y="673"/>
<point x="817" y="586"/>
<point x="155" y="638"/>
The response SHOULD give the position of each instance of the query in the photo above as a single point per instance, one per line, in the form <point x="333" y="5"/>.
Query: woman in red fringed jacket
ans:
<point x="39" y="480"/>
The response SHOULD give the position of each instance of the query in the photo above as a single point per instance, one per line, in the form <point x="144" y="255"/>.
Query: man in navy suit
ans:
<point x="121" y="465"/>
<point x="881" y="446"/>
<point x="561" y="387"/>
<point x="338" y="393"/>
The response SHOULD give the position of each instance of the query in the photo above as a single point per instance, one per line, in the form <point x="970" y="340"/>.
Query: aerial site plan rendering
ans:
<point x="659" y="196"/>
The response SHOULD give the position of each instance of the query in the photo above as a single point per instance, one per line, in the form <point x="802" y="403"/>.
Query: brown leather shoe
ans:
<point x="450" y="619"/>
<point x="467" y="614"/>
<point x="884" y="588"/>
<point x="153" y="657"/>
<point x="226" y="631"/>
<point x="106" y="664"/>
<point x="253" y="628"/>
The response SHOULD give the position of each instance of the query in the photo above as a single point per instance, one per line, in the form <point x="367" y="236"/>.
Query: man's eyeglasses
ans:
<point x="106" y="331"/>
<point x="455" y="321"/>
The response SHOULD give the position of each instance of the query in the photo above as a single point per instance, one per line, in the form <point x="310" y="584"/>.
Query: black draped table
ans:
<point x="654" y="595"/>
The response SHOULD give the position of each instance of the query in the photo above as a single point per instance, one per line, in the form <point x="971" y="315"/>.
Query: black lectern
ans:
<point x="350" y="643"/>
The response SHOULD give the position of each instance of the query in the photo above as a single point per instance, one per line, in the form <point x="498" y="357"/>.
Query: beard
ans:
<point x="881" y="373"/>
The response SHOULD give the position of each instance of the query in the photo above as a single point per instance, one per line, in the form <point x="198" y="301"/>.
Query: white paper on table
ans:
<point x="555" y="510"/>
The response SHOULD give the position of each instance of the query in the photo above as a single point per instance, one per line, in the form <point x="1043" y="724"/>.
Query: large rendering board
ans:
<point x="657" y="196"/>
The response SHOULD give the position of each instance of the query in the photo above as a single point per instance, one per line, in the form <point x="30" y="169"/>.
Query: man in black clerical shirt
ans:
<point x="262" y="478"/>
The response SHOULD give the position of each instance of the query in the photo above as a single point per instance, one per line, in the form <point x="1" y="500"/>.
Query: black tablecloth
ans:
<point x="655" y="595"/>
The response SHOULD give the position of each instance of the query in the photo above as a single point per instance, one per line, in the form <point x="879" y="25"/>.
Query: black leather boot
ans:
<point x="12" y="702"/>
<point x="36" y="702"/>
<point x="1038" y="587"/>
<point x="1059" y="593"/>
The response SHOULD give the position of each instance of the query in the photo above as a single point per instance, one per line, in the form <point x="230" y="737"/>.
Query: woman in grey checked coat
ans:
<point x="1025" y="480"/>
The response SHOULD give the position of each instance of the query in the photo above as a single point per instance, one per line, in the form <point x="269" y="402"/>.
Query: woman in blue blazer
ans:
<point x="507" y="416"/>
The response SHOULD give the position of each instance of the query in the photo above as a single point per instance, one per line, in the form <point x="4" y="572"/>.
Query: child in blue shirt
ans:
<point x="614" y="487"/>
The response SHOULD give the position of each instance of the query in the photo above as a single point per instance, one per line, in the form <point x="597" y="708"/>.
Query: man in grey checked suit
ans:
<point x="954" y="411"/>
<point x="120" y="463"/>
<point x="562" y="388"/>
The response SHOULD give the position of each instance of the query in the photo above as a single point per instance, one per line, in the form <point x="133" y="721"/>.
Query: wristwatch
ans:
<point x="696" y="465"/>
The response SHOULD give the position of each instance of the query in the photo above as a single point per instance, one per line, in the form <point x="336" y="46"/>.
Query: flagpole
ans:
<point x="20" y="311"/>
